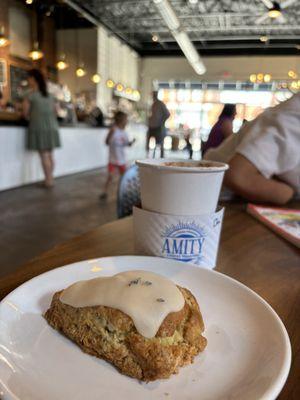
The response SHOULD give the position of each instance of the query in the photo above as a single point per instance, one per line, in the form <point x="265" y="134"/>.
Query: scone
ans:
<point x="111" y="334"/>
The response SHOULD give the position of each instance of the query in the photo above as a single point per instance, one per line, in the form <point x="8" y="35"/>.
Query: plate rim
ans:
<point x="276" y="386"/>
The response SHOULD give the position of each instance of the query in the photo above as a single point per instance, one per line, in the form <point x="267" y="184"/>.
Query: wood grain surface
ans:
<point x="249" y="252"/>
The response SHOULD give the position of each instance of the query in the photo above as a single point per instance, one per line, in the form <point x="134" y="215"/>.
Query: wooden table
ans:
<point x="249" y="252"/>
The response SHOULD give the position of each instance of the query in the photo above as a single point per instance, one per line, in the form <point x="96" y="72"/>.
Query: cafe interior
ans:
<point x="166" y="131"/>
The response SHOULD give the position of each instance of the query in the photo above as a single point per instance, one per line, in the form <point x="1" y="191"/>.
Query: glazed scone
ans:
<point x="110" y="334"/>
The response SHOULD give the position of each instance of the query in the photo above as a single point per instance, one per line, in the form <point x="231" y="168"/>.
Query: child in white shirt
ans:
<point x="117" y="140"/>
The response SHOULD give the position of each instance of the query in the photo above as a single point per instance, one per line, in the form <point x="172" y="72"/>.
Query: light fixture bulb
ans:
<point x="29" y="1"/>
<point x="4" y="41"/>
<point x="136" y="94"/>
<point x="120" y="87"/>
<point x="36" y="54"/>
<point x="80" y="72"/>
<point x="264" y="39"/>
<point x="292" y="74"/>
<point x="61" y="65"/>
<point x="110" y="83"/>
<point x="294" y="85"/>
<point x="260" y="77"/>
<point x="275" y="11"/>
<point x="128" y="90"/>
<point x="252" y="78"/>
<point x="267" y="78"/>
<point x="154" y="38"/>
<point x="96" y="78"/>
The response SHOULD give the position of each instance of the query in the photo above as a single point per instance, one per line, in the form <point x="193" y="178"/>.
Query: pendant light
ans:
<point x="96" y="78"/>
<point x="275" y="11"/>
<point x="80" y="71"/>
<point x="120" y="87"/>
<point x="61" y="64"/>
<point x="36" y="54"/>
<point x="109" y="83"/>
<point x="4" y="41"/>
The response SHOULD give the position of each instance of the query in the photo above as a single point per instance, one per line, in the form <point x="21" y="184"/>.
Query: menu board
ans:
<point x="18" y="76"/>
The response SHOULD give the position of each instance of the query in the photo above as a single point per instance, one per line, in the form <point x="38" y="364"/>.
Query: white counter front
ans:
<point x="83" y="148"/>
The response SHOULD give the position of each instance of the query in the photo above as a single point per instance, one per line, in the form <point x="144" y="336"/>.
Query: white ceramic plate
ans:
<point x="247" y="357"/>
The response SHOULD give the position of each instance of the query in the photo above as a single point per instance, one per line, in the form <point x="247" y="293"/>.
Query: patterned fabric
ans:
<point x="128" y="192"/>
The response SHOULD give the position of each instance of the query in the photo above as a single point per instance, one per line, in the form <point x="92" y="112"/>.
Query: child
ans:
<point x="116" y="139"/>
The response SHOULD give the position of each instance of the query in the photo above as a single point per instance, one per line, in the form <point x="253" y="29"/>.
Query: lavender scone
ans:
<point x="139" y="321"/>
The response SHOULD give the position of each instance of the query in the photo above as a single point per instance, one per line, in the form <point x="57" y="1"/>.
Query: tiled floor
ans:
<point x="33" y="219"/>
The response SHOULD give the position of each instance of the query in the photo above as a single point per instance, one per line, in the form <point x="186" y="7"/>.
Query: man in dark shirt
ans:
<point x="156" y="124"/>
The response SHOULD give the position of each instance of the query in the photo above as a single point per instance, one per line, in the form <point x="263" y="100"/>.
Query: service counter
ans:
<point x="83" y="148"/>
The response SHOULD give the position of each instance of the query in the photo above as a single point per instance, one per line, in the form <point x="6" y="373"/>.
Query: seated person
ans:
<point x="264" y="157"/>
<point x="222" y="129"/>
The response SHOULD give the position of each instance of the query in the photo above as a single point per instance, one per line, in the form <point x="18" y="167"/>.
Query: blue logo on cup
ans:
<point x="184" y="242"/>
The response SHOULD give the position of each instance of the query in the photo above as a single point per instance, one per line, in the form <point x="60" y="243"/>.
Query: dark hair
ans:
<point x="119" y="116"/>
<point x="40" y="80"/>
<point x="229" y="110"/>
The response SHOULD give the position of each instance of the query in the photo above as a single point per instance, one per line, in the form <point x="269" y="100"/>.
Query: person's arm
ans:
<point x="245" y="180"/>
<point x="109" y="135"/>
<point x="26" y="108"/>
<point x="165" y="112"/>
<point x="227" y="128"/>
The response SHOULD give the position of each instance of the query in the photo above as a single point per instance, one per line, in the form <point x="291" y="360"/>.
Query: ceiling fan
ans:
<point x="275" y="10"/>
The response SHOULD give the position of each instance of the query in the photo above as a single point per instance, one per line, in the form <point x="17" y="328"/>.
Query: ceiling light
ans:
<point x="128" y="90"/>
<point x="267" y="78"/>
<point x="168" y="14"/>
<point x="264" y="39"/>
<point x="181" y="37"/>
<point x="4" y="41"/>
<point x="292" y="74"/>
<point x="120" y="87"/>
<point x="190" y="51"/>
<point x="154" y="38"/>
<point x="80" y="72"/>
<point x="260" y="77"/>
<point x="36" y="54"/>
<point x="110" y="83"/>
<point x="275" y="11"/>
<point x="294" y="85"/>
<point x="96" y="78"/>
<point x="29" y="1"/>
<point x="252" y="78"/>
<point x="61" y="63"/>
<point x="136" y="94"/>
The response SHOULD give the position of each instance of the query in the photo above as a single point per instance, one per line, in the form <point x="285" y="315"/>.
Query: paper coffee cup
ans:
<point x="191" y="239"/>
<point x="180" y="187"/>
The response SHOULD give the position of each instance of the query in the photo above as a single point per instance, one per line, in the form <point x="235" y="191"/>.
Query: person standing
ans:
<point x="156" y="125"/>
<point x="43" y="134"/>
<point x="116" y="140"/>
<point x="222" y="129"/>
